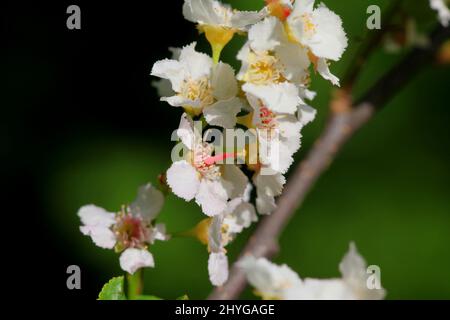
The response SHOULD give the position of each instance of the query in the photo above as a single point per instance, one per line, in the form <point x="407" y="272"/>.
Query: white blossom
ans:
<point x="201" y="86"/>
<point x="320" y="31"/>
<point x="270" y="280"/>
<point x="130" y="231"/>
<point x="163" y="86"/>
<point x="199" y="175"/>
<point x="280" y="282"/>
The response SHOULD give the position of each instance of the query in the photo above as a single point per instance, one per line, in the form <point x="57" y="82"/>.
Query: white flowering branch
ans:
<point x="344" y="121"/>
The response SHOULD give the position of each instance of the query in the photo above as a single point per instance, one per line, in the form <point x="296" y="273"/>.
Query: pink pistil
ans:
<point x="220" y="157"/>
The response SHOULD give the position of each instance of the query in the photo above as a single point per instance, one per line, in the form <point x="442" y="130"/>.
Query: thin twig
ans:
<point x="341" y="126"/>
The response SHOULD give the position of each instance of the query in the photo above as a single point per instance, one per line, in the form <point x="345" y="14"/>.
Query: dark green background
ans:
<point x="106" y="133"/>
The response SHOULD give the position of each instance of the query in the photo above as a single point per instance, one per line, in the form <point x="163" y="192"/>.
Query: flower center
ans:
<point x="264" y="70"/>
<point x="131" y="231"/>
<point x="202" y="162"/>
<point x="206" y="164"/>
<point x="198" y="90"/>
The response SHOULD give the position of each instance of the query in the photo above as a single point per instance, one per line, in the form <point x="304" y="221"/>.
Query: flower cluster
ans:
<point x="129" y="231"/>
<point x="281" y="282"/>
<point x="267" y="98"/>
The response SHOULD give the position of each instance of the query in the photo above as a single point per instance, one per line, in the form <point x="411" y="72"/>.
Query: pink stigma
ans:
<point x="220" y="157"/>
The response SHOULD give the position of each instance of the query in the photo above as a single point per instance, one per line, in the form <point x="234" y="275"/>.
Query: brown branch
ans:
<point x="341" y="126"/>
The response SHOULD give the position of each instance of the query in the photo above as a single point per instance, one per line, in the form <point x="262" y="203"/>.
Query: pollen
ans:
<point x="264" y="69"/>
<point x="131" y="231"/>
<point x="198" y="90"/>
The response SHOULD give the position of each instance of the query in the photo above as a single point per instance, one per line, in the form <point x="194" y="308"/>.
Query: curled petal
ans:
<point x="212" y="197"/>
<point x="183" y="179"/>
<point x="218" y="268"/>
<point x="102" y="237"/>
<point x="148" y="203"/>
<point x="133" y="259"/>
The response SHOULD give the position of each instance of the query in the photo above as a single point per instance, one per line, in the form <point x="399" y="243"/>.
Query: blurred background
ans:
<point x="82" y="124"/>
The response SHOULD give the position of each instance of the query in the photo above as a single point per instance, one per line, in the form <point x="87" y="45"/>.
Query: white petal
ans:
<point x="164" y="86"/>
<point x="295" y="60"/>
<point x="189" y="133"/>
<point x="324" y="71"/>
<point x="92" y="215"/>
<point x="283" y="97"/>
<point x="202" y="11"/>
<point x="215" y="234"/>
<point x="276" y="152"/>
<point x="133" y="259"/>
<point x="306" y="114"/>
<point x="268" y="278"/>
<point x="196" y="64"/>
<point x="269" y="184"/>
<point x="247" y="192"/>
<point x="212" y="197"/>
<point x="318" y="289"/>
<point x="243" y="57"/>
<point x="180" y="101"/>
<point x="353" y="265"/>
<point x="223" y="81"/>
<point x="148" y="203"/>
<point x="265" y="35"/>
<point x="237" y="178"/>
<point x="183" y="179"/>
<point x="301" y="7"/>
<point x="223" y="113"/>
<point x="232" y="205"/>
<point x="307" y="94"/>
<point x="265" y="204"/>
<point x="354" y="274"/>
<point x="329" y="40"/>
<point x="242" y="19"/>
<point x="289" y="126"/>
<point x="171" y="70"/>
<point x="102" y="236"/>
<point x="245" y="215"/>
<point x="218" y="268"/>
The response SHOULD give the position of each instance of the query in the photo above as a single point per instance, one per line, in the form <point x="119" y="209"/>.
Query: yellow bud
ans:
<point x="200" y="231"/>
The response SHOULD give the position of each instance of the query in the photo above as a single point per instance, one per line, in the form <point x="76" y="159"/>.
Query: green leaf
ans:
<point x="147" y="297"/>
<point x="183" y="297"/>
<point x="113" y="290"/>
